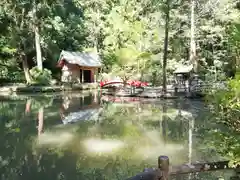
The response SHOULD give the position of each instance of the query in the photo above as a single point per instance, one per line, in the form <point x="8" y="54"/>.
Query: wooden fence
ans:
<point x="164" y="170"/>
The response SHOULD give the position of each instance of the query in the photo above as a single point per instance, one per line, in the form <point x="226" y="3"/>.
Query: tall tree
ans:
<point x="37" y="37"/>
<point x="193" y="58"/>
<point x="165" y="48"/>
<point x="40" y="30"/>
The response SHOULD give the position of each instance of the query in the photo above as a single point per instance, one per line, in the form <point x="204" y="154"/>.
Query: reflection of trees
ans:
<point x="17" y="130"/>
<point x="172" y="124"/>
<point x="15" y="135"/>
<point x="22" y="160"/>
<point x="19" y="162"/>
<point x="219" y="140"/>
<point x="164" y="122"/>
<point x="54" y="163"/>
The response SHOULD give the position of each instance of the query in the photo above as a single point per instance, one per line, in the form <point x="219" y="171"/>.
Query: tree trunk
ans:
<point x="192" y="57"/>
<point x="38" y="48"/>
<point x="97" y="33"/>
<point x="26" y="69"/>
<point x="165" y="53"/>
<point x="37" y="37"/>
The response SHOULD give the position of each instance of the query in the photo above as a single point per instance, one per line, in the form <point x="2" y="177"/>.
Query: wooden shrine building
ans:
<point x="185" y="78"/>
<point x="183" y="74"/>
<point x="79" y="67"/>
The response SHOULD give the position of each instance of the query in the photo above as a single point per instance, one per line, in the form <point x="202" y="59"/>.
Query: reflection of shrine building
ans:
<point x="80" y="107"/>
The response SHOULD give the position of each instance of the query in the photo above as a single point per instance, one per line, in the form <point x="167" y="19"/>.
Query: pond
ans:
<point x="88" y="136"/>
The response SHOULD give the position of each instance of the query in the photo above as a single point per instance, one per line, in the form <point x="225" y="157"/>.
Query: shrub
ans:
<point x="41" y="77"/>
<point x="225" y="105"/>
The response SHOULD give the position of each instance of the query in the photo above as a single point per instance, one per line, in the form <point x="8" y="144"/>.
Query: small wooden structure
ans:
<point x="79" y="67"/>
<point x="183" y="73"/>
<point x="183" y="77"/>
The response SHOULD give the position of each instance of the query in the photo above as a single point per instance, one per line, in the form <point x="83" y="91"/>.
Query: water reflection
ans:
<point x="102" y="146"/>
<point x="88" y="108"/>
<point x="108" y="139"/>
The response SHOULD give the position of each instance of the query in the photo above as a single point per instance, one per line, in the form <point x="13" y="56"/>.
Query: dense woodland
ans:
<point x="143" y="39"/>
<point x="129" y="36"/>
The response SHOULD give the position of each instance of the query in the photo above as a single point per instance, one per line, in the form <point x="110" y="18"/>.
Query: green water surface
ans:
<point x="117" y="141"/>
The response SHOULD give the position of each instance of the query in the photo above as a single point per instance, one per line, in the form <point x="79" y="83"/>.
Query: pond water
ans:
<point x="88" y="136"/>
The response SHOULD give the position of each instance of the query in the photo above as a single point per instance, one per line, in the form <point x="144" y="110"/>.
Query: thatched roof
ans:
<point x="183" y="69"/>
<point x="87" y="59"/>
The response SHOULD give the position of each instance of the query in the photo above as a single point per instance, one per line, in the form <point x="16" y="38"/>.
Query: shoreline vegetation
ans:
<point x="150" y="92"/>
<point x="23" y="88"/>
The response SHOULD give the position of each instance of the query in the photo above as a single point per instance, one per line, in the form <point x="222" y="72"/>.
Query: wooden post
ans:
<point x="160" y="173"/>
<point x="163" y="165"/>
<point x="95" y="97"/>
<point x="79" y="76"/>
<point x="95" y="74"/>
<point x="92" y="75"/>
<point x="82" y="75"/>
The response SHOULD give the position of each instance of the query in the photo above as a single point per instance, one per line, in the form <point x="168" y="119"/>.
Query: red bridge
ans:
<point x="130" y="82"/>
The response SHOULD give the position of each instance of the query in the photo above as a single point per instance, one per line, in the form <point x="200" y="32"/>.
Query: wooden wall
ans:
<point x="71" y="73"/>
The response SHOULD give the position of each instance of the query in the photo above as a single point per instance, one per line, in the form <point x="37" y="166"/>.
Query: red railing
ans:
<point x="130" y="82"/>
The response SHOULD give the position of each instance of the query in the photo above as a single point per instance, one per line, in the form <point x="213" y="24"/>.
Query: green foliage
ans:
<point x="41" y="77"/>
<point x="225" y="105"/>
<point x="130" y="63"/>
<point x="61" y="27"/>
<point x="109" y="26"/>
<point x="109" y="59"/>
